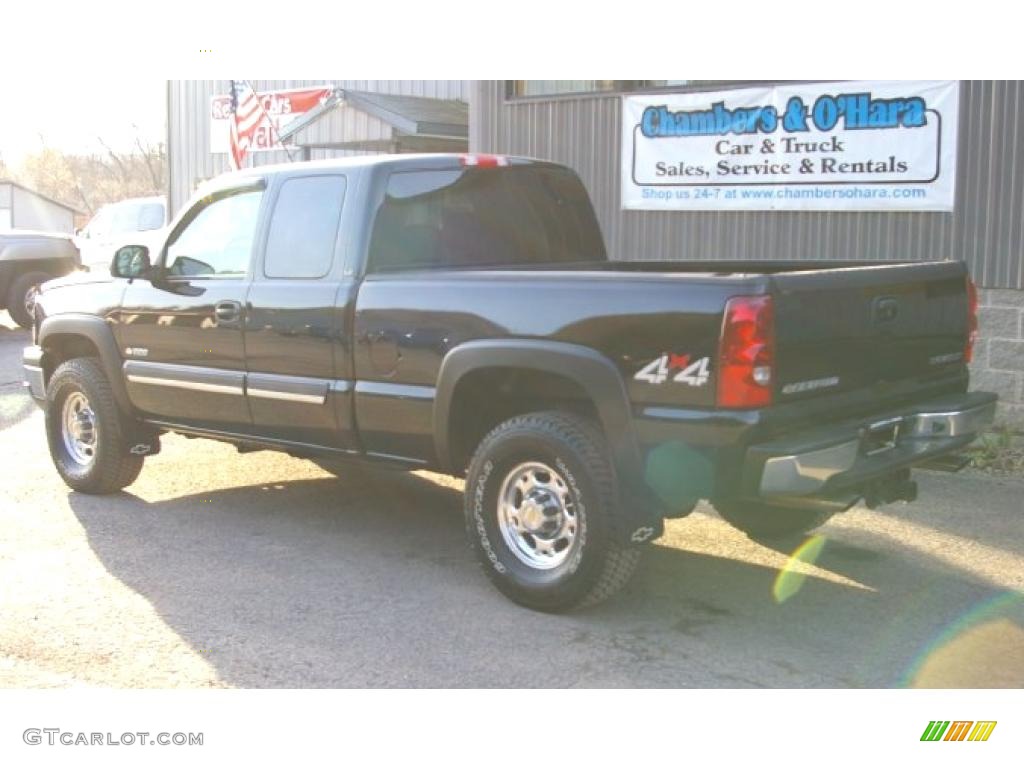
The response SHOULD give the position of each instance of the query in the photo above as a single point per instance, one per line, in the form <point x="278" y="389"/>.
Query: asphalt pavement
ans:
<point x="219" y="569"/>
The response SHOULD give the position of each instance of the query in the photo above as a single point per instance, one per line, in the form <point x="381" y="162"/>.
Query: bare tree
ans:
<point x="125" y="174"/>
<point x="91" y="180"/>
<point x="156" y="171"/>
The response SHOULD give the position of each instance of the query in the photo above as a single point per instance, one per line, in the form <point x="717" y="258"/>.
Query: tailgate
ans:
<point x="840" y="330"/>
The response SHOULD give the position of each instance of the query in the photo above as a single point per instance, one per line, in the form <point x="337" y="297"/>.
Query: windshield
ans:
<point x="122" y="218"/>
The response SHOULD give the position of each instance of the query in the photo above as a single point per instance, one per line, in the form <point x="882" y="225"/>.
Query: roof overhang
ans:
<point x="376" y="122"/>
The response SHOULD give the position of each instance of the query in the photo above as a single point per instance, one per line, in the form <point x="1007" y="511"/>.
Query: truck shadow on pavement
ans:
<point x="367" y="580"/>
<point x="15" y="403"/>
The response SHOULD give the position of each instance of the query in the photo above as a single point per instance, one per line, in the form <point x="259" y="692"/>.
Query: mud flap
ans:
<point x="645" y="533"/>
<point x="640" y="520"/>
<point x="143" y="441"/>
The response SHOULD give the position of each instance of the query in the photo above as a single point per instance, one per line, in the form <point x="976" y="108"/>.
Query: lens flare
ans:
<point x="792" y="576"/>
<point x="982" y="648"/>
<point x="678" y="474"/>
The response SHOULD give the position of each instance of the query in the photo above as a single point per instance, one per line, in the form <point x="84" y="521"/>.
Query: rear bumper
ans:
<point x="786" y="454"/>
<point x="843" y="456"/>
<point x="32" y="366"/>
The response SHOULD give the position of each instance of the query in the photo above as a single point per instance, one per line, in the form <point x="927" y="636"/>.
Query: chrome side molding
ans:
<point x="194" y="386"/>
<point x="292" y="397"/>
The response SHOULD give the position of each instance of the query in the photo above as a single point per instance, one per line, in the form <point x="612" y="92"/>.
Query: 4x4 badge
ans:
<point x="657" y="371"/>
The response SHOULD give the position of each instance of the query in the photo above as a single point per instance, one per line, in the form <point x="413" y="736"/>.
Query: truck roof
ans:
<point x="139" y="200"/>
<point x="32" y="234"/>
<point x="438" y="160"/>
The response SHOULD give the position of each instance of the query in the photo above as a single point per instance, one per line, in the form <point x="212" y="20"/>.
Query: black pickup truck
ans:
<point x="458" y="313"/>
<point x="28" y="259"/>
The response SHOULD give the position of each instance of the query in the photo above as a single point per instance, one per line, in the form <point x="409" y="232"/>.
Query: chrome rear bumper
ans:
<point x="842" y="455"/>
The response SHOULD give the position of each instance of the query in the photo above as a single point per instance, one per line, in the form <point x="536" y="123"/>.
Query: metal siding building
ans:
<point x="188" y="125"/>
<point x="22" y="208"/>
<point x="986" y="228"/>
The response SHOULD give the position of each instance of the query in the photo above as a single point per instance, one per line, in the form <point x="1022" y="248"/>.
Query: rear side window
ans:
<point x="151" y="216"/>
<point x="304" y="227"/>
<point x="480" y="217"/>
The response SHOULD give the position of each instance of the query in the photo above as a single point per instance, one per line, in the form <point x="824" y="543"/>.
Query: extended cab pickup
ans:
<point x="458" y="313"/>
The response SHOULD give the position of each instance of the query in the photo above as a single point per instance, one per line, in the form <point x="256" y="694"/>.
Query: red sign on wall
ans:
<point x="282" y="107"/>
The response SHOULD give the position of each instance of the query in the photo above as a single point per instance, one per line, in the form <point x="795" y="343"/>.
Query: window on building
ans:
<point x="484" y="217"/>
<point x="304" y="227"/>
<point x="540" y="88"/>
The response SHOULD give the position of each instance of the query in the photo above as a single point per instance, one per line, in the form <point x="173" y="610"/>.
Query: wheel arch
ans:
<point x="63" y="337"/>
<point x="593" y="373"/>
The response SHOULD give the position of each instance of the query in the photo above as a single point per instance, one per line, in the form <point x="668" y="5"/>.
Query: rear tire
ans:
<point x="21" y="296"/>
<point x="86" y="430"/>
<point x="764" y="522"/>
<point x="540" y="503"/>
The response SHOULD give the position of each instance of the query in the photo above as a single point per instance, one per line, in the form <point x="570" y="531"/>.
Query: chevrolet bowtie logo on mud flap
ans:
<point x="640" y="535"/>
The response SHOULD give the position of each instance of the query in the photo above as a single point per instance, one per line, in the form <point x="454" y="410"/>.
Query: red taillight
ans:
<point x="972" y="320"/>
<point x="484" y="161"/>
<point x="746" y="353"/>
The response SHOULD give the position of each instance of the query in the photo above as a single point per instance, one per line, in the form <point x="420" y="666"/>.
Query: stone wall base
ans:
<point x="998" y="364"/>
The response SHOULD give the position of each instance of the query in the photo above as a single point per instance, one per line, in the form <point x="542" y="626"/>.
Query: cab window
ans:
<point x="530" y="216"/>
<point x="218" y="240"/>
<point x="304" y="227"/>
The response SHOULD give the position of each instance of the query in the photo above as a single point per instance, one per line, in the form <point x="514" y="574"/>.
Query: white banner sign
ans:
<point x="847" y="146"/>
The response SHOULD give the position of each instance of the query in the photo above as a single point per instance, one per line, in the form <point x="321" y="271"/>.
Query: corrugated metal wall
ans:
<point x="188" y="123"/>
<point x="31" y="211"/>
<point x="986" y="229"/>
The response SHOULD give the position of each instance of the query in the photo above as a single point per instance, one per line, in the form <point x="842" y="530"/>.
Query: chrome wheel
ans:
<point x="30" y="300"/>
<point x="78" y="429"/>
<point x="537" y="516"/>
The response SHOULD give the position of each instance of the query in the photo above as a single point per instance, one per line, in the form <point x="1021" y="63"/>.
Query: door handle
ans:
<point x="227" y="311"/>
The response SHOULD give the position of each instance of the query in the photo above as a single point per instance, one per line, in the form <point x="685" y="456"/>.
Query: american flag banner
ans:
<point x="248" y="113"/>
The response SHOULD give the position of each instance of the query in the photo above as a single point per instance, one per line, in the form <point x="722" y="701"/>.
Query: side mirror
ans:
<point x="131" y="261"/>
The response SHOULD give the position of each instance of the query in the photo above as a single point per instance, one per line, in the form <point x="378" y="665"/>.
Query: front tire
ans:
<point x="86" y="430"/>
<point x="21" y="296"/>
<point x="540" y="502"/>
<point x="767" y="523"/>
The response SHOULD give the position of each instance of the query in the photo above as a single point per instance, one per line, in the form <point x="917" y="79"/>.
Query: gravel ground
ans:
<point x="223" y="570"/>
